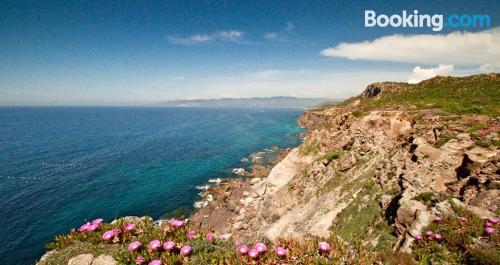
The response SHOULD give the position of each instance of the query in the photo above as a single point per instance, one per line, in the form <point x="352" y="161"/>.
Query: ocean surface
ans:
<point x="60" y="166"/>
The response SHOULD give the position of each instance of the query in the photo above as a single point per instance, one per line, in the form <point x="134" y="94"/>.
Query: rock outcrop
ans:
<point x="388" y="169"/>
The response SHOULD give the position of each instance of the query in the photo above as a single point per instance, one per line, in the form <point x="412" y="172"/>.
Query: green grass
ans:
<point x="444" y="138"/>
<point x="311" y="148"/>
<point x="330" y="156"/>
<point x="474" y="94"/>
<point x="425" y="196"/>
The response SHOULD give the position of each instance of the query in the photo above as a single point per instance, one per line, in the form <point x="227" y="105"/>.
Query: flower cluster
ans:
<point x="489" y="225"/>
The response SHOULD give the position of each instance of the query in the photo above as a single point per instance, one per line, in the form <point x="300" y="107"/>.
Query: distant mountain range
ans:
<point x="256" y="102"/>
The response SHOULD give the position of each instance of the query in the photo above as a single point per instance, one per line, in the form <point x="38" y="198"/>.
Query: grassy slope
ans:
<point x="478" y="94"/>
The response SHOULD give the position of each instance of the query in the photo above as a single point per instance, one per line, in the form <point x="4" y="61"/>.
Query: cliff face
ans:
<point x="378" y="175"/>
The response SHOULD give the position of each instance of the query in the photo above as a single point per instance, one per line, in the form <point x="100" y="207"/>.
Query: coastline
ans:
<point x="219" y="202"/>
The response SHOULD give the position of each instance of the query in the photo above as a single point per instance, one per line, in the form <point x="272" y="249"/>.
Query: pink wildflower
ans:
<point x="186" y="250"/>
<point x="438" y="236"/>
<point x="139" y="260"/>
<point x="280" y="251"/>
<point x="84" y="227"/>
<point x="97" y="221"/>
<point x="253" y="253"/>
<point x="243" y="249"/>
<point x="428" y="233"/>
<point x="134" y="246"/>
<point x="92" y="227"/>
<point x="493" y="220"/>
<point x="129" y="227"/>
<point x="419" y="237"/>
<point x="261" y="247"/>
<point x="169" y="245"/>
<point x="177" y="223"/>
<point x="154" y="244"/>
<point x="488" y="224"/>
<point x="438" y="218"/>
<point x="324" y="247"/>
<point x="489" y="230"/>
<point x="462" y="219"/>
<point x="210" y="237"/>
<point x="109" y="234"/>
<point x="191" y="234"/>
<point x="155" y="262"/>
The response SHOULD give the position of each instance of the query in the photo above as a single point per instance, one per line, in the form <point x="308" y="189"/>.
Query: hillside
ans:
<point x="401" y="174"/>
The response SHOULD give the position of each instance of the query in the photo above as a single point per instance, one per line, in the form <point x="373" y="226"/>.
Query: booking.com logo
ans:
<point x="416" y="20"/>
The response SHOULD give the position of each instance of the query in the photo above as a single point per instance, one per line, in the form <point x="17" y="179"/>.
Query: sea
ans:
<point x="61" y="166"/>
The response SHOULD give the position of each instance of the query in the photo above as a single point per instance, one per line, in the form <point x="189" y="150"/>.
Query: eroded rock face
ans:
<point x="375" y="167"/>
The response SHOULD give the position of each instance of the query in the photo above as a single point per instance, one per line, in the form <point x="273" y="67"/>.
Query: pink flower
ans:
<point x="280" y="251"/>
<point x="438" y="236"/>
<point x="494" y="220"/>
<point x="154" y="244"/>
<point x="191" y="234"/>
<point x="243" y="249"/>
<point x="134" y="246"/>
<point x="84" y="227"/>
<point x="429" y="233"/>
<point x="155" y="262"/>
<point x="186" y="250"/>
<point x="129" y="227"/>
<point x="169" y="245"/>
<point x="92" y="227"/>
<point x="139" y="260"/>
<point x="177" y="223"/>
<point x="489" y="230"/>
<point x="253" y="253"/>
<point x="97" y="221"/>
<point x="109" y="234"/>
<point x="261" y="247"/>
<point x="488" y="224"/>
<point x="462" y="219"/>
<point x="438" y="218"/>
<point x="210" y="237"/>
<point x="324" y="247"/>
<point x="419" y="237"/>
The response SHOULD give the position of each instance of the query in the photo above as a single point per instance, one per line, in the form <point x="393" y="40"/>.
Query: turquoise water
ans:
<point x="61" y="166"/>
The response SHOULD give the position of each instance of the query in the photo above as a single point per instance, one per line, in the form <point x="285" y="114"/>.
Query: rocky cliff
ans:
<point x="378" y="168"/>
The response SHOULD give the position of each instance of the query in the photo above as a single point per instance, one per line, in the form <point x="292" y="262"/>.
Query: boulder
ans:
<point x="104" y="259"/>
<point x="83" y="259"/>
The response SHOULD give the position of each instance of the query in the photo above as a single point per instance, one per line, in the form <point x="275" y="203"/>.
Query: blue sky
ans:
<point x="144" y="52"/>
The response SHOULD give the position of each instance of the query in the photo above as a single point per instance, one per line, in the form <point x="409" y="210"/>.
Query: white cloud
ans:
<point x="231" y="35"/>
<point x="198" y="38"/>
<point x="458" y="48"/>
<point x="418" y="74"/>
<point x="271" y="36"/>
<point x="226" y="35"/>
<point x="486" y="68"/>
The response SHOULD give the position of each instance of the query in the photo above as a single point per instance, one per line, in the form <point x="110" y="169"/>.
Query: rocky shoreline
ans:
<point x="220" y="203"/>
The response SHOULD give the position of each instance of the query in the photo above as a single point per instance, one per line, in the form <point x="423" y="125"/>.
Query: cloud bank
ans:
<point x="458" y="48"/>
<point x="418" y="74"/>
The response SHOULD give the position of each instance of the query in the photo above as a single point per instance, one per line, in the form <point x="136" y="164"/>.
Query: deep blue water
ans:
<point x="61" y="166"/>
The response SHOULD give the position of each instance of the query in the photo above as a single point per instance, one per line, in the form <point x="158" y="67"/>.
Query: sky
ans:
<point x="146" y="52"/>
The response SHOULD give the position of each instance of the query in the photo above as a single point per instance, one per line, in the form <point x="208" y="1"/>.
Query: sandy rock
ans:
<point x="83" y="259"/>
<point x="104" y="259"/>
